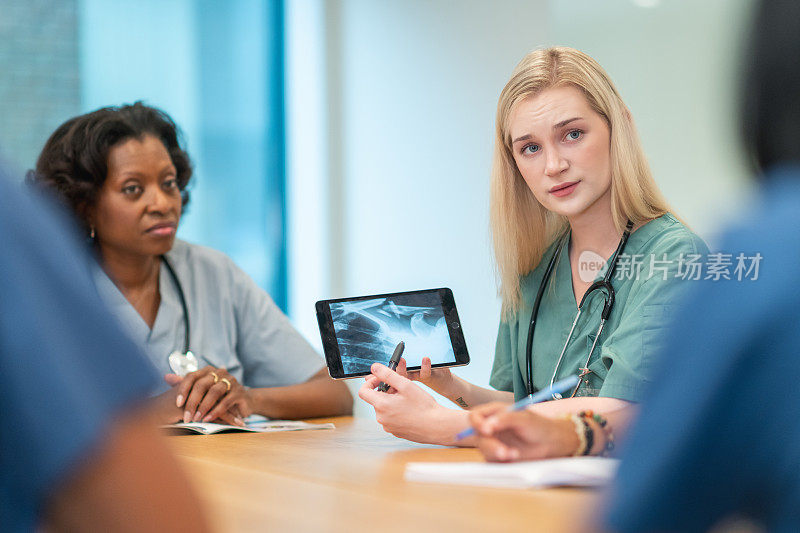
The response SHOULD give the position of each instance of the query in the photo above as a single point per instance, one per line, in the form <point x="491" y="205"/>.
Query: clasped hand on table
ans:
<point x="204" y="396"/>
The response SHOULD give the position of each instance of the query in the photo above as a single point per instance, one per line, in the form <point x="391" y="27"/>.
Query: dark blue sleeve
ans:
<point x="718" y="433"/>
<point x="66" y="369"/>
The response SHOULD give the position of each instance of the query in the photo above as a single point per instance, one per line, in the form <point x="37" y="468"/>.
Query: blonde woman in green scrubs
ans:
<point x="569" y="172"/>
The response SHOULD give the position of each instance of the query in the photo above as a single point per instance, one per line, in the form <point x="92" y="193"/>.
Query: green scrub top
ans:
<point x="659" y="263"/>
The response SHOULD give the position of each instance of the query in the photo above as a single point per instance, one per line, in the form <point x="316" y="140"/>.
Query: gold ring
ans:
<point x="226" y="382"/>
<point x="216" y="377"/>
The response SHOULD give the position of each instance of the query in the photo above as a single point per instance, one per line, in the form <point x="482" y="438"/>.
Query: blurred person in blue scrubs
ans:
<point x="718" y="441"/>
<point x="77" y="451"/>
<point x="124" y="173"/>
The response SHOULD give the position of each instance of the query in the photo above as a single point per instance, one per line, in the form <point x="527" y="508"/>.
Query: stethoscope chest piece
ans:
<point x="183" y="363"/>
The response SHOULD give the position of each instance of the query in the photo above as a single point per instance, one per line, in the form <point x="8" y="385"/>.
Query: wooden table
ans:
<point x="351" y="479"/>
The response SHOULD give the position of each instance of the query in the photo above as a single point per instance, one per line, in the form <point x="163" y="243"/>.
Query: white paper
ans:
<point x="569" y="471"/>
<point x="259" y="425"/>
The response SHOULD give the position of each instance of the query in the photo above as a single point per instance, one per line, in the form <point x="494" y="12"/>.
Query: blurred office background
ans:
<point x="343" y="147"/>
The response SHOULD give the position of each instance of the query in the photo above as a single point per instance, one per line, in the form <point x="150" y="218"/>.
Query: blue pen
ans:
<point x="545" y="394"/>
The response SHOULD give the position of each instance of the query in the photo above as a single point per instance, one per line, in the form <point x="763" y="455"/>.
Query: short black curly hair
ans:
<point x="74" y="161"/>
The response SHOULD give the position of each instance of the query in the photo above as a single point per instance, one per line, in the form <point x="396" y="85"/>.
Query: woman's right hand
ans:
<point x="439" y="379"/>
<point x="523" y="435"/>
<point x="407" y="411"/>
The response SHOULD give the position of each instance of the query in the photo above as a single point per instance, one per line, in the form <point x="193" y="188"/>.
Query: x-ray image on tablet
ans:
<point x="368" y="329"/>
<point x="358" y="332"/>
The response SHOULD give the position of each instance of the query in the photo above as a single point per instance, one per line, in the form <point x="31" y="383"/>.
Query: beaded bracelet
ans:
<point x="601" y="421"/>
<point x="585" y="435"/>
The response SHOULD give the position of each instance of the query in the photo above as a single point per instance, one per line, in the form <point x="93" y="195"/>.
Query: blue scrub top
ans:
<point x="66" y="368"/>
<point x="233" y="323"/>
<point x="719" y="434"/>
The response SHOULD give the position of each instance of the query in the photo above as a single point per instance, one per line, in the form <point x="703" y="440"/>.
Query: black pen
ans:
<point x="393" y="362"/>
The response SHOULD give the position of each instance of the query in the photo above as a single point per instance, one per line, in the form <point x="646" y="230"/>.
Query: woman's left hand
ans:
<point x="206" y="398"/>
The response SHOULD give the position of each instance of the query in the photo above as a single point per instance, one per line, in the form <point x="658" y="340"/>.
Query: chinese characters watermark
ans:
<point x="714" y="266"/>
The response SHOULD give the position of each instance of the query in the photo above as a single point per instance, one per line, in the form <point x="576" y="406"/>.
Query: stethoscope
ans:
<point x="183" y="362"/>
<point x="604" y="285"/>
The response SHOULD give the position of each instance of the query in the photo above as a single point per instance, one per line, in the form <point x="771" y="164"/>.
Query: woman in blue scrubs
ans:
<point x="569" y="175"/>
<point x="123" y="172"/>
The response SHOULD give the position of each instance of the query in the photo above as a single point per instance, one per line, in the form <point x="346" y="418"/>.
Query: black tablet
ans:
<point x="359" y="331"/>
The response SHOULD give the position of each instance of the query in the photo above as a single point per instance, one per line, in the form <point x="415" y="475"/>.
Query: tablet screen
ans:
<point x="368" y="330"/>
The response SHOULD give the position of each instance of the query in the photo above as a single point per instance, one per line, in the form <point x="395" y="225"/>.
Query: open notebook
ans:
<point x="570" y="471"/>
<point x="254" y="424"/>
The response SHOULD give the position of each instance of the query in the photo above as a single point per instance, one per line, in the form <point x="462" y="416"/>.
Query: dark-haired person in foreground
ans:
<point x="718" y="441"/>
<point x="123" y="172"/>
<point x="76" y="451"/>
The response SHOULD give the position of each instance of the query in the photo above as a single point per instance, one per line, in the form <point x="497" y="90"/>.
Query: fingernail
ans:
<point x="187" y="416"/>
<point x="514" y="453"/>
<point x="207" y="418"/>
<point x="239" y="421"/>
<point x="179" y="400"/>
<point x="197" y="416"/>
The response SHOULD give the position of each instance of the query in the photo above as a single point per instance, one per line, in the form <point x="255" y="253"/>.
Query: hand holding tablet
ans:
<point x="438" y="379"/>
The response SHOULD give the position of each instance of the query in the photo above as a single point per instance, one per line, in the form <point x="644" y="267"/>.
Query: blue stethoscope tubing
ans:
<point x="604" y="285"/>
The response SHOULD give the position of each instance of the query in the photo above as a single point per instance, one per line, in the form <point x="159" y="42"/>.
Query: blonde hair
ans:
<point x="522" y="228"/>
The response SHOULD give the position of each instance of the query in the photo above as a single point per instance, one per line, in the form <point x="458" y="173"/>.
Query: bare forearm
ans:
<point x="447" y="424"/>
<point x="606" y="406"/>
<point x="319" y="396"/>
<point x="467" y="395"/>
<point x="619" y="413"/>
